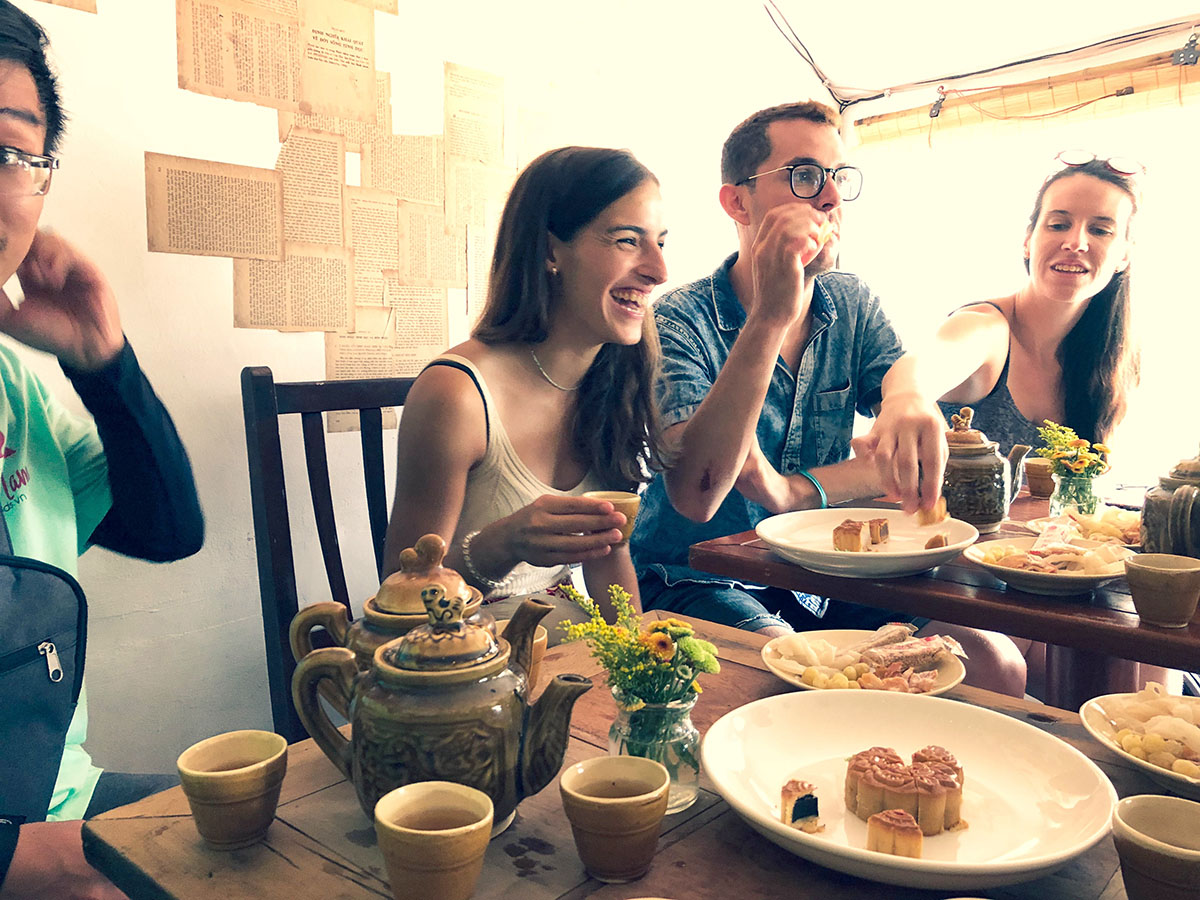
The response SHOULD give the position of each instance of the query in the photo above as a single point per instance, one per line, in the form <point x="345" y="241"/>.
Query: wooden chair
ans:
<point x="263" y="402"/>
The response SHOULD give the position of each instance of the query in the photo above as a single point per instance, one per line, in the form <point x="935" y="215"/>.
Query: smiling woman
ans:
<point x="551" y="397"/>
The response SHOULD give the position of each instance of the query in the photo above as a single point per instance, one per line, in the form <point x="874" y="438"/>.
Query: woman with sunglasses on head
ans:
<point x="552" y="395"/>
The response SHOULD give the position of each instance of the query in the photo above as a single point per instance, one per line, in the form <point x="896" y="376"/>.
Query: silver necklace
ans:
<point x="545" y="375"/>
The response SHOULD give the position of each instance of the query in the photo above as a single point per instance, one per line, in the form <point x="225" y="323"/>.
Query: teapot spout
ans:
<point x="548" y="731"/>
<point x="522" y="629"/>
<point x="1016" y="456"/>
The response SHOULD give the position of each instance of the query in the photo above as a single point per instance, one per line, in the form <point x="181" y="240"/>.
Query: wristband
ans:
<point x="491" y="584"/>
<point x="820" y="490"/>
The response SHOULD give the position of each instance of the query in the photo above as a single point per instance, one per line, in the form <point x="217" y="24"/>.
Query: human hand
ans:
<point x="557" y="530"/>
<point x="791" y="236"/>
<point x="761" y="483"/>
<point x="49" y="862"/>
<point x="908" y="445"/>
<point x="69" y="309"/>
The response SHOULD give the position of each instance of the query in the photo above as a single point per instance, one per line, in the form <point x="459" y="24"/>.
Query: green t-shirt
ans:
<point x="54" y="492"/>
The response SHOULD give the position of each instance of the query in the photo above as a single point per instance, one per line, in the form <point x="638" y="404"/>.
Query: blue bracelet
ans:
<point x="820" y="490"/>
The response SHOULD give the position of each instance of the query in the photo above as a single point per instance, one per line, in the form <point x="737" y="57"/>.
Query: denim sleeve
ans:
<point x="880" y="349"/>
<point x="687" y="375"/>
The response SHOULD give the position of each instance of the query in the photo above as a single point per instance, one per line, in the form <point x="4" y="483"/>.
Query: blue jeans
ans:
<point x="747" y="607"/>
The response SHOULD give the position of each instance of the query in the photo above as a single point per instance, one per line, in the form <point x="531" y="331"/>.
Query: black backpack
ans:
<point x="43" y="635"/>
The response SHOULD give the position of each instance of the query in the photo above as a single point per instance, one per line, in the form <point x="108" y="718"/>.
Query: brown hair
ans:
<point x="748" y="145"/>
<point x="615" y="424"/>
<point x="1100" y="362"/>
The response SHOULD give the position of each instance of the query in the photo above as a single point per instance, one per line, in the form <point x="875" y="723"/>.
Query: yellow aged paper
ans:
<point x="429" y="255"/>
<point x="84" y="5"/>
<point x="421" y="323"/>
<point x="357" y="134"/>
<point x="474" y="114"/>
<point x="373" y="227"/>
<point x="475" y="194"/>
<point x="240" y="50"/>
<point x="311" y="290"/>
<point x="313" y="166"/>
<point x="213" y="209"/>
<point x="337" y="71"/>
<point x="480" y="244"/>
<point x="386" y="6"/>
<point x="368" y="353"/>
<point x="410" y="165"/>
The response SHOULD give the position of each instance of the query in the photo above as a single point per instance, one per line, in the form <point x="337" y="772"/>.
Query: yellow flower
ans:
<point x="1078" y="442"/>
<point x="1103" y="448"/>
<point x="659" y="644"/>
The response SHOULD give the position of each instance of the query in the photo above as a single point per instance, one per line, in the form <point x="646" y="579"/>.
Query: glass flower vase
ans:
<point x="1073" y="492"/>
<point x="663" y="732"/>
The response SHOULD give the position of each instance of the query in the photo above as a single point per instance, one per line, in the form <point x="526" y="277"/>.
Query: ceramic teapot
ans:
<point x="447" y="701"/>
<point x="1171" y="512"/>
<point x="395" y="609"/>
<point x="979" y="483"/>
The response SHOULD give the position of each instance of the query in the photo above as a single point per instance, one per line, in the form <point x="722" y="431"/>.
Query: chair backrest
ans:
<point x="263" y="402"/>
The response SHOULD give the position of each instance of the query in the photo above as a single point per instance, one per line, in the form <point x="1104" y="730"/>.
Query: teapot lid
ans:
<point x="962" y="436"/>
<point x="447" y="643"/>
<point x="1187" y="471"/>
<point x="420" y="566"/>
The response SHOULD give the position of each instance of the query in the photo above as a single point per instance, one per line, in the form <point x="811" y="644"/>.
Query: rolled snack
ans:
<point x="891" y="633"/>
<point x="915" y="653"/>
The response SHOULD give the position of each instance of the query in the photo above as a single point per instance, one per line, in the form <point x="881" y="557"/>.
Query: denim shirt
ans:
<point x="806" y="421"/>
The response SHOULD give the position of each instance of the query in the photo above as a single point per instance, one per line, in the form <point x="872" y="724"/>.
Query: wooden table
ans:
<point x="1083" y="632"/>
<point x="323" y="847"/>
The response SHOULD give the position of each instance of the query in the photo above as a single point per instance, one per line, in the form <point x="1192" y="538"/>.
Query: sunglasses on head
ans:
<point x="1120" y="165"/>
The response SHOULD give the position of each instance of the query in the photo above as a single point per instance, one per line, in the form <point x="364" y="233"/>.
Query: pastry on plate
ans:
<point x="798" y="807"/>
<point x="935" y="515"/>
<point x="896" y="832"/>
<point x="879" y="530"/>
<point x="852" y="535"/>
<point x="938" y="540"/>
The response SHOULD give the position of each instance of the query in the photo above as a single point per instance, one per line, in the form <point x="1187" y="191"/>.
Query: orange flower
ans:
<point x="1102" y="448"/>
<point x="659" y="644"/>
<point x="1078" y="442"/>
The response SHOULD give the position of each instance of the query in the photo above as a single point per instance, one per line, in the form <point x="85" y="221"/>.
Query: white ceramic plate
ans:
<point x="1032" y="802"/>
<point x="1059" y="584"/>
<point x="950" y="668"/>
<point x="806" y="537"/>
<point x="1039" y="525"/>
<point x="1102" y="730"/>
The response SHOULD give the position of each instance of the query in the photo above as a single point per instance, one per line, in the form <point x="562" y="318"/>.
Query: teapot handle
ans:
<point x="1179" y="521"/>
<point x="329" y="615"/>
<point x="337" y="666"/>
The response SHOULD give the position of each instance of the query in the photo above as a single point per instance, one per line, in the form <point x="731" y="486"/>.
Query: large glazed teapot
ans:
<point x="1171" y="512"/>
<point x="447" y="701"/>
<point x="980" y="483"/>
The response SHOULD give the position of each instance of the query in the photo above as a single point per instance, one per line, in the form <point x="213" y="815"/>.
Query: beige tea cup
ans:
<point x="541" y="638"/>
<point x="623" y="502"/>
<point x="1039" y="477"/>
<point x="615" y="805"/>
<point x="433" y="835"/>
<point x="1158" y="840"/>
<point x="1165" y="588"/>
<point x="232" y="784"/>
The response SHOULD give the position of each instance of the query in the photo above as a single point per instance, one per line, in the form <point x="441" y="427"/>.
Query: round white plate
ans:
<point x="1059" y="584"/>
<point x="1039" y="525"/>
<point x="950" y="668"/>
<point x="806" y="537"/>
<point x="1102" y="730"/>
<point x="1032" y="802"/>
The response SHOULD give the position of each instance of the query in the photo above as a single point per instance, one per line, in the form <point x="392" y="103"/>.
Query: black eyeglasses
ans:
<point x="1120" y="165"/>
<point x="24" y="174"/>
<point x="808" y="179"/>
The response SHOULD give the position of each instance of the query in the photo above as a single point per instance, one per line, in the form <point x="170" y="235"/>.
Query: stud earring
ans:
<point x="553" y="269"/>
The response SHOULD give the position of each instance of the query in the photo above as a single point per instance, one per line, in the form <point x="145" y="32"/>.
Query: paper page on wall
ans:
<point x="421" y="323"/>
<point x="313" y="166"/>
<point x="373" y="232"/>
<point x="384" y="6"/>
<point x="311" y="290"/>
<point x="337" y="70"/>
<point x="81" y="5"/>
<point x="357" y="134"/>
<point x="240" y="50"/>
<point x="368" y="353"/>
<point x="474" y="114"/>
<point x="429" y="255"/>
<point x="213" y="209"/>
<point x="480" y="244"/>
<point x="410" y="165"/>
<point x="475" y="194"/>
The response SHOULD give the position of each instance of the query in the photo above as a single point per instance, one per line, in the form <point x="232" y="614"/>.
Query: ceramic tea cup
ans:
<point x="623" y="502"/>
<point x="1165" y="587"/>
<point x="1158" y="840"/>
<point x="541" y="638"/>
<point x="232" y="784"/>
<point x="615" y="805"/>
<point x="1039" y="477"/>
<point x="433" y="835"/>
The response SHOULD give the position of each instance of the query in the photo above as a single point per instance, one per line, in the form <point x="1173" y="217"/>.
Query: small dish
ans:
<point x="1058" y="584"/>
<point x="1100" y="727"/>
<point x="950" y="668"/>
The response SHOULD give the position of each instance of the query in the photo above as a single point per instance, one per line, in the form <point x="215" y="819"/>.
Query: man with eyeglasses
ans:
<point x="123" y="481"/>
<point x="764" y="364"/>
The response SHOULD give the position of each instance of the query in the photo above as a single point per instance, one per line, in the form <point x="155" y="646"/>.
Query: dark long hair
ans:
<point x="1100" y="362"/>
<point x="615" y="424"/>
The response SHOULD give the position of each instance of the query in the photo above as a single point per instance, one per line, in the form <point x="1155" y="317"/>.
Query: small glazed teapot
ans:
<point x="979" y="483"/>
<point x="1171" y="512"/>
<point x="447" y="701"/>
<point x="395" y="609"/>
